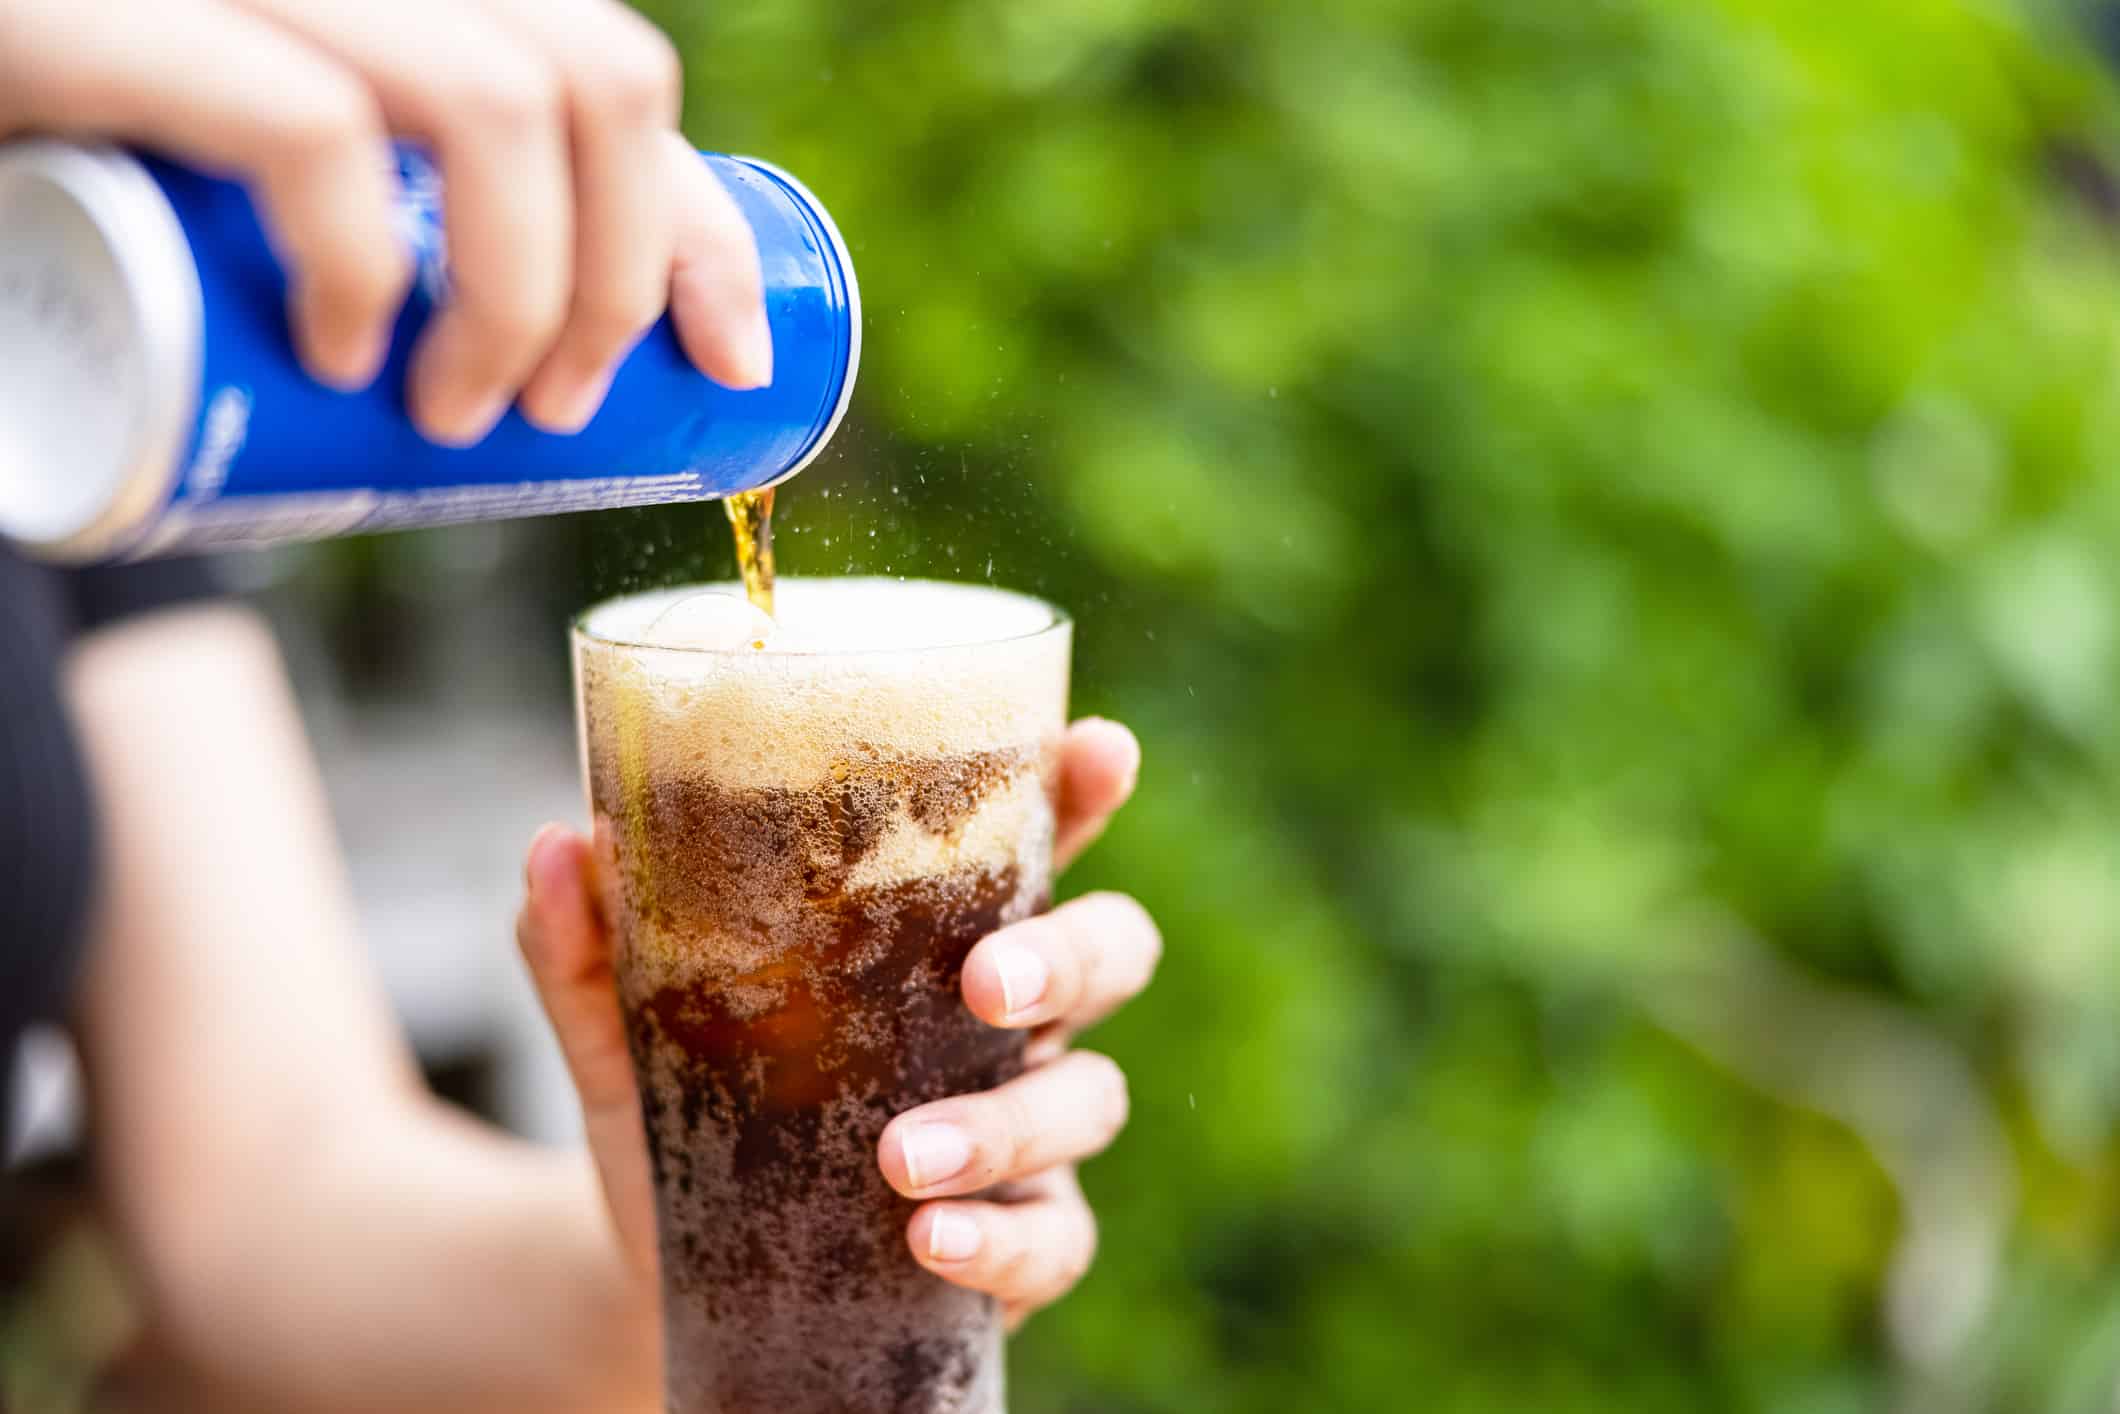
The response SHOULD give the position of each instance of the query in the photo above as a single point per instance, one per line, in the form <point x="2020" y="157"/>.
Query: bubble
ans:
<point x="715" y="620"/>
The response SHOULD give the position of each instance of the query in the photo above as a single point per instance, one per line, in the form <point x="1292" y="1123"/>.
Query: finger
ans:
<point x="493" y="110"/>
<point x="1052" y="1115"/>
<point x="717" y="291"/>
<point x="234" y="93"/>
<point x="1099" y="763"/>
<point x="564" y="943"/>
<point x="622" y="83"/>
<point x="510" y="226"/>
<point x="569" y="956"/>
<point x="1026" y="1254"/>
<point x="1075" y="965"/>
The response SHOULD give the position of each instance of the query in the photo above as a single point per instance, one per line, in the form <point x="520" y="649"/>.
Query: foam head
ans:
<point x="824" y="616"/>
<point x="874" y="668"/>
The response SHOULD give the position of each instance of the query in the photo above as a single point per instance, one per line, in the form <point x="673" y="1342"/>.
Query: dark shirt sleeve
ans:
<point x="46" y="835"/>
<point x="107" y="593"/>
<point x="47" y="818"/>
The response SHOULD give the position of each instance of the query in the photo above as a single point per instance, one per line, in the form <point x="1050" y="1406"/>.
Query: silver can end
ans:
<point x="101" y="323"/>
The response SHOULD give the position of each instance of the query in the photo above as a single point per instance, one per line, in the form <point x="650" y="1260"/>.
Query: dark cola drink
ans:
<point x="803" y="827"/>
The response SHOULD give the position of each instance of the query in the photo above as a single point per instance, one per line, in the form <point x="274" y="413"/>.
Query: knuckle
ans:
<point x="634" y="77"/>
<point x="1016" y="1270"/>
<point x="1128" y="945"/>
<point x="332" y="118"/>
<point x="1019" y="1127"/>
<point x="1075" y="964"/>
<point x="506" y="91"/>
<point x="54" y="93"/>
<point x="1052" y="938"/>
<point x="1074" y="931"/>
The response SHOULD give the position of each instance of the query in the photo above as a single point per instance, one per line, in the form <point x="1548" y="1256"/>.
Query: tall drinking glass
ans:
<point x="800" y="833"/>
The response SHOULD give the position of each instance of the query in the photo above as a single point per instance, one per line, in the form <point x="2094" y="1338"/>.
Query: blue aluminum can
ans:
<point x="151" y="400"/>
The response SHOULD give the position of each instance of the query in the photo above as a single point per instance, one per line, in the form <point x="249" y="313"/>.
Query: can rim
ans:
<point x="843" y="261"/>
<point x="160" y="286"/>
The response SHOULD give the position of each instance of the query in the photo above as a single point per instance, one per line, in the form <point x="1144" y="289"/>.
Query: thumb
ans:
<point x="564" y="942"/>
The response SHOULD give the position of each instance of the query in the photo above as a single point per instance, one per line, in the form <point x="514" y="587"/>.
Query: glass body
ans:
<point x="796" y="851"/>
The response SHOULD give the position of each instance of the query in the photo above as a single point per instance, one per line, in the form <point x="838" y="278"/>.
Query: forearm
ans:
<point x="410" y="1262"/>
<point x="305" y="1221"/>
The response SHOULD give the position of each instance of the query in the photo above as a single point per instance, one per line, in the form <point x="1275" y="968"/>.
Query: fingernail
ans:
<point x="355" y="370"/>
<point x="571" y="411"/>
<point x="952" y="1237"/>
<point x="448" y="412"/>
<point x="1024" y="978"/>
<point x="462" y="422"/>
<point x="340" y="356"/>
<point x="935" y="1153"/>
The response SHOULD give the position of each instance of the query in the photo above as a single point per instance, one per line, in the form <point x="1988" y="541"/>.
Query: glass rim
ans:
<point x="1058" y="620"/>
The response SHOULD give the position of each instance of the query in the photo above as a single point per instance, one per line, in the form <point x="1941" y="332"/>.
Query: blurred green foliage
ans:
<point x="1601" y="513"/>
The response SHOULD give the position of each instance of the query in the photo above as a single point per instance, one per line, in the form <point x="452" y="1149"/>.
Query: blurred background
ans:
<point x="1603" y="516"/>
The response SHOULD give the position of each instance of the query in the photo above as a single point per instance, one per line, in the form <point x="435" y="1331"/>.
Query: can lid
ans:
<point x="100" y="333"/>
<point x="844" y="261"/>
